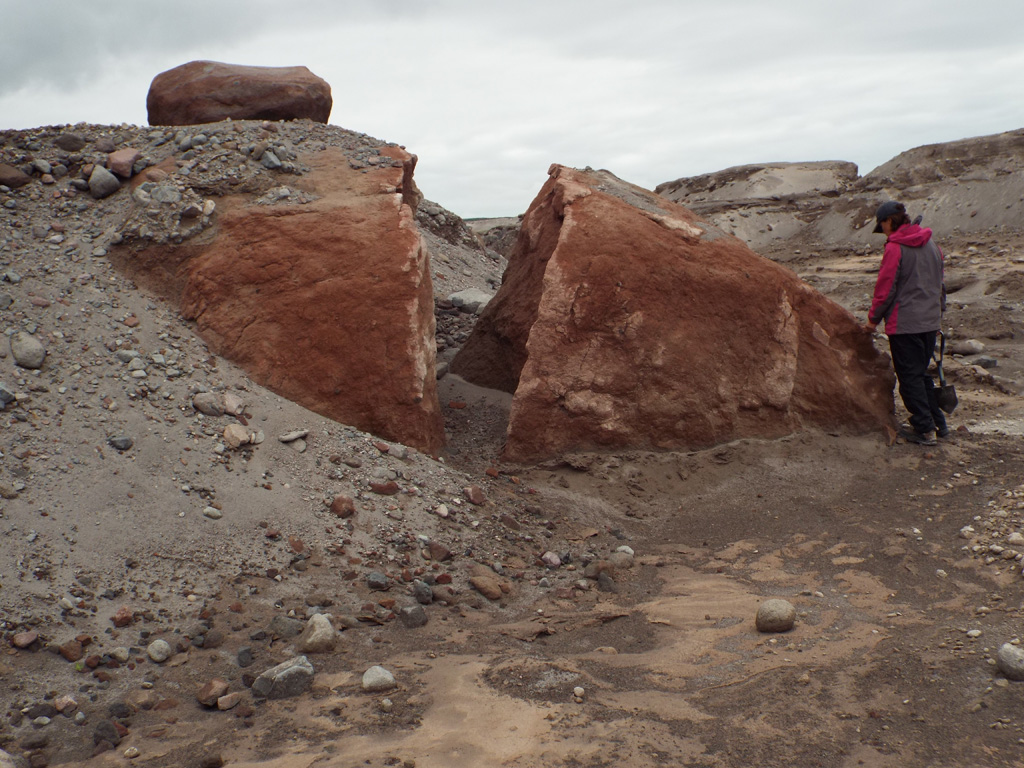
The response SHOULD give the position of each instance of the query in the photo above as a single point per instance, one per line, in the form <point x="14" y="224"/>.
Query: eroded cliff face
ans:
<point x="960" y="187"/>
<point x="626" y="321"/>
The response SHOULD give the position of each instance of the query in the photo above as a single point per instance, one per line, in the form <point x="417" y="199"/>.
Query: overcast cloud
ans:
<point x="490" y="94"/>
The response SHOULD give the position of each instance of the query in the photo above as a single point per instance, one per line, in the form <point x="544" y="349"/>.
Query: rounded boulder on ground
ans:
<point x="775" y="616"/>
<point x="1010" y="661"/>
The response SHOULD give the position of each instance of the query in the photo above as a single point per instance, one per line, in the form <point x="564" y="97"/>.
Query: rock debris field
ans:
<point x="195" y="571"/>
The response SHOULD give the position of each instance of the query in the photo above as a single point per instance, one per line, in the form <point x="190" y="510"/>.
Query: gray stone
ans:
<point x="620" y="559"/>
<point x="775" y="616"/>
<point x="270" y="161"/>
<point x="5" y="300"/>
<point x="422" y="592"/>
<point x="6" y="761"/>
<point x="285" y="627"/>
<point x="159" y="651"/>
<point x="208" y="403"/>
<point x="1010" y="661"/>
<point x="551" y="560"/>
<point x="471" y="300"/>
<point x="27" y="350"/>
<point x="319" y="636"/>
<point x="290" y="678"/>
<point x="102" y="183"/>
<point x="70" y="142"/>
<point x="42" y="165"/>
<point x="606" y="583"/>
<point x="965" y="347"/>
<point x="985" y="361"/>
<point x="413" y="616"/>
<point x="377" y="581"/>
<point x="7" y="394"/>
<point x="377" y="679"/>
<point x="106" y="731"/>
<point x="121" y="442"/>
<point x="166" y="193"/>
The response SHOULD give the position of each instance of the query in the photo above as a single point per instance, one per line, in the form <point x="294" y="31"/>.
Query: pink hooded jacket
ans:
<point x="909" y="293"/>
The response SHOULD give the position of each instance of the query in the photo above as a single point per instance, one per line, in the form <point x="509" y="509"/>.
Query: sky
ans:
<point x="489" y="94"/>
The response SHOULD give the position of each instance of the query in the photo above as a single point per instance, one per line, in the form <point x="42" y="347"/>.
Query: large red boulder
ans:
<point x="209" y="91"/>
<point x="626" y="321"/>
<point x="328" y="303"/>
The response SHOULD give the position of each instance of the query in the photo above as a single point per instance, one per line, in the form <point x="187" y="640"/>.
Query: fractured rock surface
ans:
<point x="330" y="304"/>
<point x="626" y="321"/>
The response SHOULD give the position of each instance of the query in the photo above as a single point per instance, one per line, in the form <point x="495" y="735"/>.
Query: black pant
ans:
<point x="911" y="355"/>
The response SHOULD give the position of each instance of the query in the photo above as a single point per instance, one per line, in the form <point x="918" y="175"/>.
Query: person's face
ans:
<point x="887" y="227"/>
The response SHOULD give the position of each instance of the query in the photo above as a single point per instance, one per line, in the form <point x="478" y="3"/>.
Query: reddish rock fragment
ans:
<point x="438" y="552"/>
<point x="72" y="650"/>
<point x="120" y="162"/>
<point x="123" y="617"/>
<point x="343" y="506"/>
<point x="23" y="640"/>
<point x="487" y="586"/>
<point x="474" y="495"/>
<point x="12" y="177"/>
<point x="390" y="488"/>
<point x="212" y="691"/>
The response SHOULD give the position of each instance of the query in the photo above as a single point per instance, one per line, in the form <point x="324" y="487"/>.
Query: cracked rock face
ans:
<point x="330" y="303"/>
<point x="625" y="321"/>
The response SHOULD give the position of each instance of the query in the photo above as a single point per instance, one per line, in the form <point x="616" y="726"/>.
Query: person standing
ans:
<point x="910" y="297"/>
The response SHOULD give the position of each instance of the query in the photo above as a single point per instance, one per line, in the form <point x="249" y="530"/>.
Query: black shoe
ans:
<point x="921" y="438"/>
<point x="944" y="432"/>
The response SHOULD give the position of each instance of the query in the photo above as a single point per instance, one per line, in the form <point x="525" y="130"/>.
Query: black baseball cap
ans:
<point x="885" y="210"/>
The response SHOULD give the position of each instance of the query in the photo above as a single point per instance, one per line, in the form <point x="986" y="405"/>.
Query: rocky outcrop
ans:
<point x="312" y="276"/>
<point x="329" y="303"/>
<point x="209" y="91"/>
<point x="625" y="321"/>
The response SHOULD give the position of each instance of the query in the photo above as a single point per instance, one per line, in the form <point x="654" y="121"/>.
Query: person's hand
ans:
<point x="870" y="326"/>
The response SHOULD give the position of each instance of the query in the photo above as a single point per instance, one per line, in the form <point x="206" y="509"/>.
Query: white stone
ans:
<point x="378" y="679"/>
<point x="1011" y="661"/>
<point x="319" y="636"/>
<point x="159" y="651"/>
